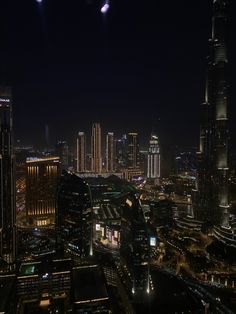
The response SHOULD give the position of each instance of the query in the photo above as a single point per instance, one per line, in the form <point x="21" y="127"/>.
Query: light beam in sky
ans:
<point x="105" y="7"/>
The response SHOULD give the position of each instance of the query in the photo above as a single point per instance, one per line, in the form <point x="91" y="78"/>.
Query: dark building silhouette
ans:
<point x="74" y="215"/>
<point x="44" y="286"/>
<point x="213" y="202"/>
<point x="121" y="148"/>
<point x="62" y="151"/>
<point x="7" y="180"/>
<point x="81" y="155"/>
<point x="8" y="294"/>
<point x="90" y="293"/>
<point x="185" y="163"/>
<point x="133" y="151"/>
<point x="110" y="152"/>
<point x="134" y="248"/>
<point x="58" y="286"/>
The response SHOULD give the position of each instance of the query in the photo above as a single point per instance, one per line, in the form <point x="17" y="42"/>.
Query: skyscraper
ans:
<point x="62" y="150"/>
<point x="153" y="166"/>
<point x="213" y="169"/>
<point x="134" y="247"/>
<point x="7" y="180"/>
<point x="74" y="214"/>
<point x="121" y="152"/>
<point x="133" y="151"/>
<point x="96" y="149"/>
<point x="41" y="188"/>
<point x="110" y="152"/>
<point x="81" y="152"/>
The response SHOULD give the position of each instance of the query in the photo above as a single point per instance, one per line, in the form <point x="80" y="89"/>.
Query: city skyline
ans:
<point x="107" y="212"/>
<point x="73" y="74"/>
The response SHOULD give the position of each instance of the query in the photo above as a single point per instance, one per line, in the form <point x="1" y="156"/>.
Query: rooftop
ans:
<point x="89" y="284"/>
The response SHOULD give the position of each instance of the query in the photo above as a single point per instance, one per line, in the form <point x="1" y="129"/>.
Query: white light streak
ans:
<point x="105" y="7"/>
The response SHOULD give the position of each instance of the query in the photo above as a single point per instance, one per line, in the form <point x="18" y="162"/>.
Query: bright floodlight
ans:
<point x="39" y="1"/>
<point x="105" y="8"/>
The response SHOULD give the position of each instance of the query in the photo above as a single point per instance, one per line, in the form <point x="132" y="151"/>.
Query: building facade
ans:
<point x="110" y="152"/>
<point x="81" y="152"/>
<point x="96" y="149"/>
<point x="62" y="150"/>
<point x="213" y="203"/>
<point x="121" y="148"/>
<point x="153" y="165"/>
<point x="7" y="180"/>
<point x="41" y="188"/>
<point x="133" y="151"/>
<point x="74" y="215"/>
<point x="134" y="248"/>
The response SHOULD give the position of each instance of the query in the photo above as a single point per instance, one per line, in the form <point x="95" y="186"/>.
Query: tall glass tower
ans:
<point x="81" y="152"/>
<point x="133" y="151"/>
<point x="153" y="165"/>
<point x="214" y="168"/>
<point x="7" y="180"/>
<point x="96" y="149"/>
<point x="110" y="152"/>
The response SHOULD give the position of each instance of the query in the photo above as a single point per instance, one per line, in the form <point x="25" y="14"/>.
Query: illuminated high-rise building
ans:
<point x="96" y="149"/>
<point x="81" y="152"/>
<point x="42" y="178"/>
<point x="121" y="149"/>
<point x="133" y="151"/>
<point x="7" y="180"/>
<point x="213" y="201"/>
<point x="153" y="165"/>
<point x="110" y="152"/>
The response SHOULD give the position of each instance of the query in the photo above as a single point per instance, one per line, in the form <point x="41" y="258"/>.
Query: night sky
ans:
<point x="142" y="66"/>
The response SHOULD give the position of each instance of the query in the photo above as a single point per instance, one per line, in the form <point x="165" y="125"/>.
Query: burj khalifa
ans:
<point x="213" y="200"/>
